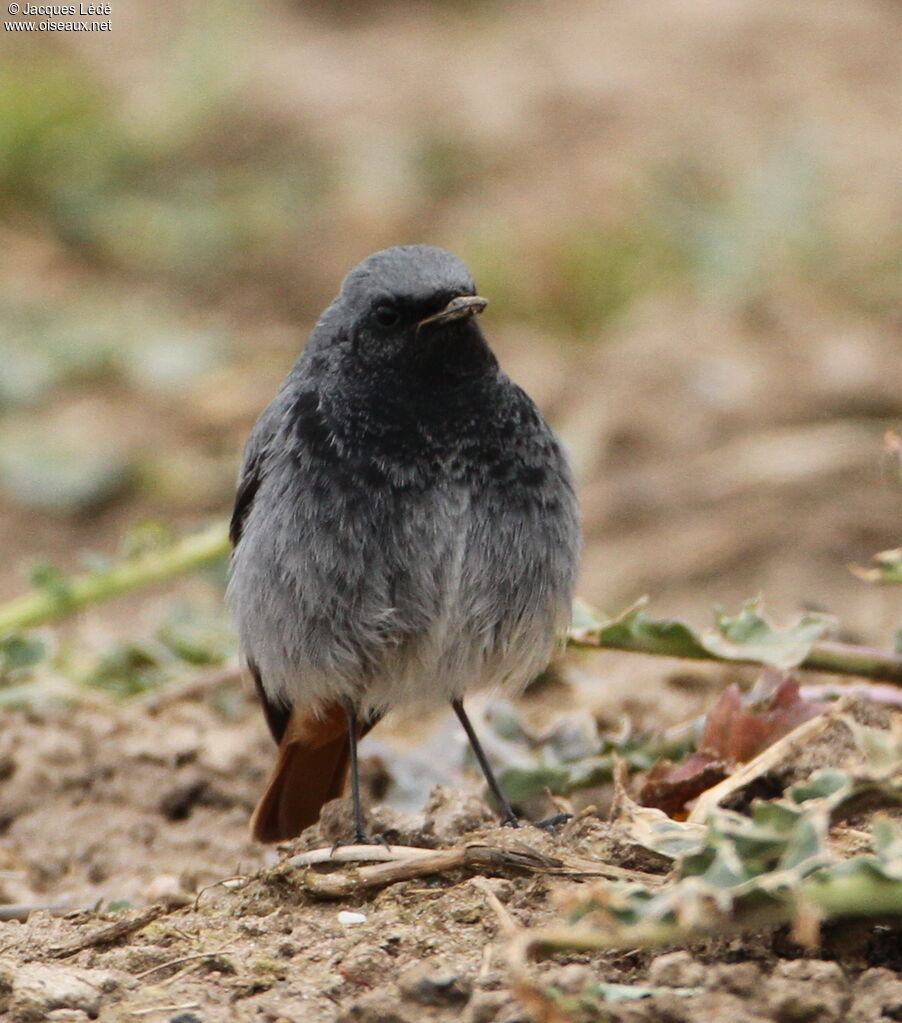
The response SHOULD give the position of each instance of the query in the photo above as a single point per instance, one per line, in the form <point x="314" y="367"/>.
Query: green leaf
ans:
<point x="827" y="782"/>
<point x="127" y="670"/>
<point x="119" y="906"/>
<point x="50" y="580"/>
<point x="633" y="629"/>
<point x="746" y="637"/>
<point x="19" y="654"/>
<point x="750" y="636"/>
<point x="881" y="749"/>
<point x="888" y="846"/>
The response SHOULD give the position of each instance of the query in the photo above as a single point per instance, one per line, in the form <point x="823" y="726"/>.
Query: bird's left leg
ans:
<point x="509" y="818"/>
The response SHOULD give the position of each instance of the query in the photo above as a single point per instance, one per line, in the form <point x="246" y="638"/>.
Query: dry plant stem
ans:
<point x="182" y="959"/>
<point x="846" y="659"/>
<point x="164" y="1008"/>
<point x="483" y="857"/>
<point x="360" y="854"/>
<point x="389" y="866"/>
<point x="117" y="931"/>
<point x="506" y="922"/>
<point x="526" y="989"/>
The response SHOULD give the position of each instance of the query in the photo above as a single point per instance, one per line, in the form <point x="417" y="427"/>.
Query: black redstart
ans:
<point x="405" y="529"/>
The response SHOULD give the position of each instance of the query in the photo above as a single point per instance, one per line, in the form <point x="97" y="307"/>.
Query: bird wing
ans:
<point x="254" y="464"/>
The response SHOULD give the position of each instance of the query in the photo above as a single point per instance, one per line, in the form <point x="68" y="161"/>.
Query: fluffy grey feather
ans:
<point x="405" y="527"/>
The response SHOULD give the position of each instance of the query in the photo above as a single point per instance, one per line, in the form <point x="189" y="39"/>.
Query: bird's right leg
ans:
<point x="359" y="833"/>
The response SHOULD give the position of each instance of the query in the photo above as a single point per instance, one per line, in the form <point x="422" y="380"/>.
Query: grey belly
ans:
<point x="419" y="608"/>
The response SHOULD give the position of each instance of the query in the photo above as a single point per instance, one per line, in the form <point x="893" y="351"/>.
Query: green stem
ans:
<point x="836" y="658"/>
<point x="45" y="605"/>
<point x="845" y="659"/>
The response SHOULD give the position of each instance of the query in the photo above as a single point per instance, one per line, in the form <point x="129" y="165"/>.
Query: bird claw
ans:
<point x="361" y="839"/>
<point x="551" y="824"/>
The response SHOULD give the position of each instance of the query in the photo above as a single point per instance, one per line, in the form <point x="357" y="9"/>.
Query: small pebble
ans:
<point x="433" y="983"/>
<point x="347" y="918"/>
<point x="572" y="978"/>
<point x="675" y="969"/>
<point x="161" y="886"/>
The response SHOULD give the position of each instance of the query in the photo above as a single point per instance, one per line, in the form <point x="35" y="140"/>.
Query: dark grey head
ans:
<point x="411" y="307"/>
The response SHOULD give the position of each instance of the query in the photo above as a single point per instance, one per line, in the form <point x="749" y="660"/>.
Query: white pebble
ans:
<point x="348" y="918"/>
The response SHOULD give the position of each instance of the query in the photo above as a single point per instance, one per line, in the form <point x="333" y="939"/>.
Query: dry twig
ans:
<point x="404" y="863"/>
<point x="112" y="933"/>
<point x="180" y="960"/>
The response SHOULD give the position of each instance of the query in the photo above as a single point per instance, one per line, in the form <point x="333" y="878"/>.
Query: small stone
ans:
<point x="38" y="990"/>
<point x="808" y="990"/>
<point x="434" y="983"/>
<point x="347" y="919"/>
<point x="810" y="969"/>
<point x="484" y="1006"/>
<point x="161" y="886"/>
<point x="572" y="978"/>
<point x="675" y="969"/>
<point x="374" y="1007"/>
<point x="366" y="967"/>
<point x="878" y="995"/>
<point x="738" y="978"/>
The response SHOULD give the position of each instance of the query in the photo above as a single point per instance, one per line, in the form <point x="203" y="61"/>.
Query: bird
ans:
<point x="405" y="530"/>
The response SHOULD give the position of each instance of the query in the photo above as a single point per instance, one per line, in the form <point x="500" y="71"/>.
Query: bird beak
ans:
<point x="457" y="309"/>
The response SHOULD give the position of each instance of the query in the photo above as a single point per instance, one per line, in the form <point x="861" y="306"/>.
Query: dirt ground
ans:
<point x="110" y="814"/>
<point x="726" y="429"/>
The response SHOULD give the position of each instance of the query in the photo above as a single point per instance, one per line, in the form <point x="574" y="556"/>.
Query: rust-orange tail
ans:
<point x="311" y="769"/>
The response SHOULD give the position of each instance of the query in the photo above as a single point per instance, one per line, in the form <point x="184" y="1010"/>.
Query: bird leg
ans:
<point x="359" y="833"/>
<point x="508" y="817"/>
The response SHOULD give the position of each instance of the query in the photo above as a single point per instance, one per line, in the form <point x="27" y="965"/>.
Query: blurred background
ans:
<point x="687" y="217"/>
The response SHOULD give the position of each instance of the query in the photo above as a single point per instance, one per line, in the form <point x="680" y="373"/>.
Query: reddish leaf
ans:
<point x="736" y="734"/>
<point x="732" y="734"/>
<point x="669" y="786"/>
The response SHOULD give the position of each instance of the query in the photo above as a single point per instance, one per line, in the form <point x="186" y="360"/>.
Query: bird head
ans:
<point x="411" y="308"/>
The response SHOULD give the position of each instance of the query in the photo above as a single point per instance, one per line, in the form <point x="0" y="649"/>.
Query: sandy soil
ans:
<point x="727" y="436"/>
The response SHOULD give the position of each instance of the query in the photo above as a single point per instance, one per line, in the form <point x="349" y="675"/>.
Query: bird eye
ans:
<point x="387" y="315"/>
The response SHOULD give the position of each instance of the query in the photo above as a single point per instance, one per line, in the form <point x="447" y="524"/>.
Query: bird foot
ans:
<point x="551" y="824"/>
<point x="361" y="839"/>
